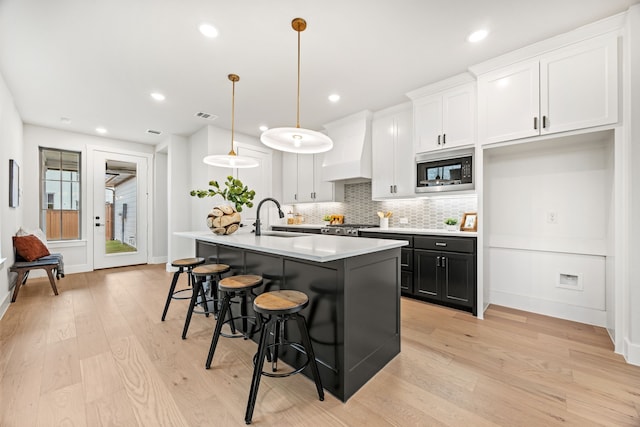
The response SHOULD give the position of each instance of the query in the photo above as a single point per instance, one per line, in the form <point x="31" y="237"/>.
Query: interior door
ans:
<point x="119" y="218"/>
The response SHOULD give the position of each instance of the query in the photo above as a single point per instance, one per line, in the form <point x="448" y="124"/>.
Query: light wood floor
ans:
<point x="98" y="354"/>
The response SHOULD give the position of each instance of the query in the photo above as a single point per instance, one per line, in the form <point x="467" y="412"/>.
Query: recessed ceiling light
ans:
<point x="157" y="96"/>
<point x="208" y="30"/>
<point x="263" y="128"/>
<point x="477" y="36"/>
<point x="101" y="130"/>
<point x="334" y="97"/>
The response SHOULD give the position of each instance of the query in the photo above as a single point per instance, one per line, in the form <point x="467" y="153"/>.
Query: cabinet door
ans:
<point x="427" y="274"/>
<point x="508" y="103"/>
<point x="578" y="86"/>
<point x="427" y="116"/>
<point x="289" y="177"/>
<point x="458" y="117"/>
<point x="305" y="177"/>
<point x="383" y="156"/>
<point x="404" y="159"/>
<point x="323" y="190"/>
<point x="458" y="279"/>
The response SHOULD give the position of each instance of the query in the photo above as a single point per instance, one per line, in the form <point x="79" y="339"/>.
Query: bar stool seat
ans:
<point x="183" y="265"/>
<point x="278" y="307"/>
<point x="200" y="275"/>
<point x="230" y="287"/>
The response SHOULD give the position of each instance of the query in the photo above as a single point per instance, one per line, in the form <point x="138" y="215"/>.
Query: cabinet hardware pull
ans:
<point x="438" y="139"/>
<point x="443" y="263"/>
<point x="391" y="189"/>
<point x="295" y="196"/>
<point x="535" y="123"/>
<point x="444" y="138"/>
<point x="441" y="244"/>
<point x="544" y="122"/>
<point x="438" y="261"/>
<point x="395" y="188"/>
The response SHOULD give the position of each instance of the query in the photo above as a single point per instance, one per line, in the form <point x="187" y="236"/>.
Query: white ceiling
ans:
<point x="96" y="62"/>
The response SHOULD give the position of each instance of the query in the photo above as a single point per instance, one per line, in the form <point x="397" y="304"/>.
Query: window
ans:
<point x="60" y="194"/>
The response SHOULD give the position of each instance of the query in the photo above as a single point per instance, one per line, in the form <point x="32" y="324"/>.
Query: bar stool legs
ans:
<point x="200" y="274"/>
<point x="279" y="307"/>
<point x="184" y="265"/>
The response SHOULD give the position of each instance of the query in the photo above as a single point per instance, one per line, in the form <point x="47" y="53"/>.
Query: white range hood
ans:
<point x="350" y="158"/>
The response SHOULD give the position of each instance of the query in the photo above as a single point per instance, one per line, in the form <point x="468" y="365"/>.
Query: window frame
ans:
<point x="45" y="199"/>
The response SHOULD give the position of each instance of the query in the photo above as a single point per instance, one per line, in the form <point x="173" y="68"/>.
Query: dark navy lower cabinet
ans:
<point x="438" y="269"/>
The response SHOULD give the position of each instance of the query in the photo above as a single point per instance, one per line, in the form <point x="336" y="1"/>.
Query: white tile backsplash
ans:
<point x="358" y="208"/>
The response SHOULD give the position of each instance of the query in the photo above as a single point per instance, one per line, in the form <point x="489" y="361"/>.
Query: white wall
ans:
<point x="160" y="247"/>
<point x="570" y="178"/>
<point x="11" y="142"/>
<point x="78" y="255"/>
<point x="631" y="291"/>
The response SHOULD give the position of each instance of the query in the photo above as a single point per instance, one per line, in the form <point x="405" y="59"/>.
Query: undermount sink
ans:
<point x="281" y="234"/>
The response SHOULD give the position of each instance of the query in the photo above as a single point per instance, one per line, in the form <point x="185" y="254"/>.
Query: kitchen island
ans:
<point x="354" y="292"/>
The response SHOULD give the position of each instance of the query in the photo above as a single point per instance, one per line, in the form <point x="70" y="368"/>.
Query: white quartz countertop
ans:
<point x="311" y="247"/>
<point x="425" y="231"/>
<point x="299" y="225"/>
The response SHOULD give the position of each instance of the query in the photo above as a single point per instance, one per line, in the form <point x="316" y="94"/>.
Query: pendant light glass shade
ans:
<point x="231" y="160"/>
<point x="297" y="139"/>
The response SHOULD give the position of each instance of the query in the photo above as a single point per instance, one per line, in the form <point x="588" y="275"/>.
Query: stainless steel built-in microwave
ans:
<point x="451" y="171"/>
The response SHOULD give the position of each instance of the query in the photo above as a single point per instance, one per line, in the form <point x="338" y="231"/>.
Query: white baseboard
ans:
<point x="4" y="306"/>
<point x="158" y="260"/>
<point x="631" y="352"/>
<point x="561" y="310"/>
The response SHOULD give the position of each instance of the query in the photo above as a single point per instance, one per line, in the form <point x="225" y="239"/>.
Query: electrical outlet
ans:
<point x="404" y="221"/>
<point x="552" y="217"/>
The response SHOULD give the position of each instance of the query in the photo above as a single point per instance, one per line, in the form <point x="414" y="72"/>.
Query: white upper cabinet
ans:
<point x="570" y="88"/>
<point x="444" y="120"/>
<point x="393" y="161"/>
<point x="302" y="180"/>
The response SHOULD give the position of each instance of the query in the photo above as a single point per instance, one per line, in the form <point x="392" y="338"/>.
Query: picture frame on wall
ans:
<point x="469" y="222"/>
<point x="14" y="184"/>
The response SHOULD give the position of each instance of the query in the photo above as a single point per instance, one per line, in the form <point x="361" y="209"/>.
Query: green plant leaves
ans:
<point x="236" y="192"/>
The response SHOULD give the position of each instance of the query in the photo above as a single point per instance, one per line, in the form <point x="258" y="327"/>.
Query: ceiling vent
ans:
<point x="153" y="132"/>
<point x="206" y="116"/>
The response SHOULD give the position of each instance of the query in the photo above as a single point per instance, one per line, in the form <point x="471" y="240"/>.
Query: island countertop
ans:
<point x="311" y="247"/>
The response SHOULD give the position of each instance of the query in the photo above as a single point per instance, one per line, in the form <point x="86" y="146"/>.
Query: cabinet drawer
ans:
<point x="391" y="236"/>
<point x="406" y="259"/>
<point x="449" y="244"/>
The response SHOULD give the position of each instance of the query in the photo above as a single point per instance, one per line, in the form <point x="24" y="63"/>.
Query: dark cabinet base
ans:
<point x="353" y="314"/>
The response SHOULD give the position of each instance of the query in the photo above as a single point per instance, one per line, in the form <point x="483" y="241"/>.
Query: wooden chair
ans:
<point x="51" y="264"/>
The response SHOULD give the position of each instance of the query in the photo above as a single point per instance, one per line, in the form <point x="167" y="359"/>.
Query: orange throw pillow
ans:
<point x="30" y="247"/>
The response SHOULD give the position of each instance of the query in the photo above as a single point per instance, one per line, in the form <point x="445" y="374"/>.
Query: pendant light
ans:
<point x="297" y="139"/>
<point x="231" y="160"/>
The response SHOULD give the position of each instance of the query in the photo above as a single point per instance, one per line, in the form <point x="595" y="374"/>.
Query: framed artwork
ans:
<point x="14" y="184"/>
<point x="469" y="222"/>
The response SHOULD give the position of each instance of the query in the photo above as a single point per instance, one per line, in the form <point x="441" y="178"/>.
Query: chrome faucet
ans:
<point x="257" y="223"/>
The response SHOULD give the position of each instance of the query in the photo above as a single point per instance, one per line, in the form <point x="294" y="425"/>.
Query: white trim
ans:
<point x="450" y="83"/>
<point x="158" y="260"/>
<point x="2" y="260"/>
<point x="612" y="24"/>
<point x="631" y="352"/>
<point x="4" y="306"/>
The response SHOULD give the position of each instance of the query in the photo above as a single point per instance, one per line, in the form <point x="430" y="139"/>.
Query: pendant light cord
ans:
<point x="298" y="116"/>
<point x="233" y="79"/>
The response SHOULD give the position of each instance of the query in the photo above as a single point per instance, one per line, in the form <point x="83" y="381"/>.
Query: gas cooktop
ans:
<point x="345" y="229"/>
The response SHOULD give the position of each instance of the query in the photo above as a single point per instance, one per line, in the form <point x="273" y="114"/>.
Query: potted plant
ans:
<point x="451" y="224"/>
<point x="225" y="219"/>
<point x="326" y="219"/>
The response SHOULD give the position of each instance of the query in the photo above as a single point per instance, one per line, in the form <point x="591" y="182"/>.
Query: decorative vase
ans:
<point x="451" y="227"/>
<point x="223" y="219"/>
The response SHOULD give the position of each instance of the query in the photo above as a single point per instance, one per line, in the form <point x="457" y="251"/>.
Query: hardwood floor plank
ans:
<point x="151" y="401"/>
<point x="119" y="365"/>
<point x="62" y="407"/>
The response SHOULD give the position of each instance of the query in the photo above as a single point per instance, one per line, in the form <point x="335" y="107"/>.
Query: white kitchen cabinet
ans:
<point x="302" y="180"/>
<point x="570" y="88"/>
<point x="444" y="120"/>
<point x="393" y="161"/>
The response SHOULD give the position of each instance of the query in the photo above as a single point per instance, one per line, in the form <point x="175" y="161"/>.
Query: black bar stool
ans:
<point x="231" y="287"/>
<point x="278" y="307"/>
<point x="184" y="264"/>
<point x="200" y="274"/>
